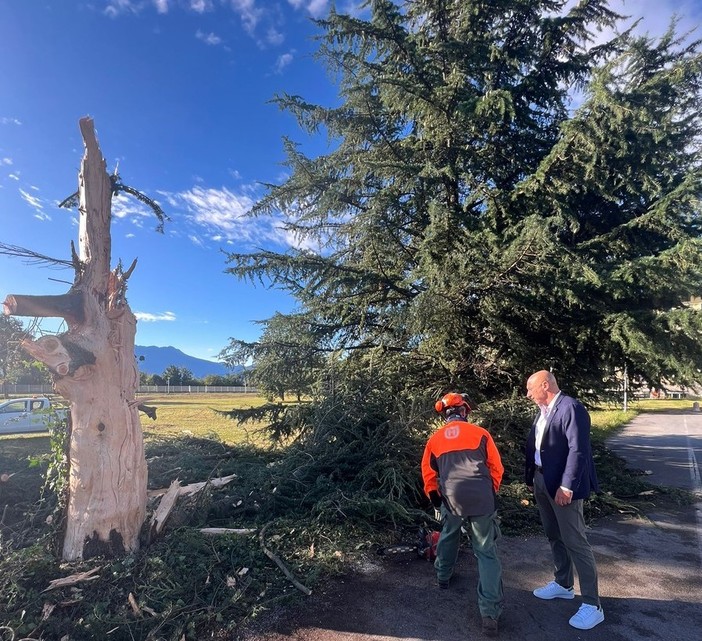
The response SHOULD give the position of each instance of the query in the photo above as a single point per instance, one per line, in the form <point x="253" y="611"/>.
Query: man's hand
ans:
<point x="435" y="499"/>
<point x="563" y="496"/>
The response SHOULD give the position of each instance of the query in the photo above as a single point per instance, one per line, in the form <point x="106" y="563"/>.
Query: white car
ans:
<point x="33" y="414"/>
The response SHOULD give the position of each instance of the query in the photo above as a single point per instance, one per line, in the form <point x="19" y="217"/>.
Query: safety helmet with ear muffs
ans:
<point x="450" y="401"/>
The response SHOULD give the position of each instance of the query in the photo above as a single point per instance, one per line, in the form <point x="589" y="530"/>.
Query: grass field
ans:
<point x="177" y="415"/>
<point x="196" y="415"/>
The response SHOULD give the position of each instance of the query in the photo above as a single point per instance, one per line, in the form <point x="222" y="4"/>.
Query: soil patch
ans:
<point x="650" y="587"/>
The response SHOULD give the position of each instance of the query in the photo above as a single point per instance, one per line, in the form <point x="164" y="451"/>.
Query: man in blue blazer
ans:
<point x="560" y="470"/>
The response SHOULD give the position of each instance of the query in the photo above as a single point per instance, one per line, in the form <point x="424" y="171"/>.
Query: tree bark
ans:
<point x="68" y="306"/>
<point x="94" y="368"/>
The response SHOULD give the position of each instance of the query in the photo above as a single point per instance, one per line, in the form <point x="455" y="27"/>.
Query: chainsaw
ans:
<point x="425" y="546"/>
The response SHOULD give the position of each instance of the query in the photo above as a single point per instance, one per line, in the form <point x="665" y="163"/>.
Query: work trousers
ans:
<point x="484" y="533"/>
<point x="564" y="526"/>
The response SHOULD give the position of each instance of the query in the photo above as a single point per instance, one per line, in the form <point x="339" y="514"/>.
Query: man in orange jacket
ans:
<point x="462" y="472"/>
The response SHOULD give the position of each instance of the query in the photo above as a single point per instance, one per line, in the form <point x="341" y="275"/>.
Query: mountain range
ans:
<point x="154" y="360"/>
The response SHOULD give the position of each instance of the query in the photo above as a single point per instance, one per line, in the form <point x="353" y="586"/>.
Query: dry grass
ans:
<point x="177" y="415"/>
<point x="196" y="415"/>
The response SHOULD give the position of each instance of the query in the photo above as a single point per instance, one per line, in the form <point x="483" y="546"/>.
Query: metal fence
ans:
<point x="29" y="390"/>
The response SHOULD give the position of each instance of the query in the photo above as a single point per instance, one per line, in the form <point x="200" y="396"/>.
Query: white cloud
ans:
<point x="161" y="6"/>
<point x="14" y="176"/>
<point x="118" y="7"/>
<point x="37" y="204"/>
<point x="147" y="317"/>
<point x="128" y="207"/>
<point x="217" y="208"/>
<point x="315" y="8"/>
<point x="5" y="161"/>
<point x="249" y="13"/>
<point x="283" y="61"/>
<point x="197" y="240"/>
<point x="200" y="6"/>
<point x="219" y="215"/>
<point x="274" y="36"/>
<point x="262" y="19"/>
<point x="208" y="38"/>
<point x="9" y="121"/>
<point x="32" y="201"/>
<point x="654" y="17"/>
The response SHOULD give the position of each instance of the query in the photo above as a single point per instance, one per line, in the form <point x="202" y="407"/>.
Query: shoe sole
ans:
<point x="578" y="627"/>
<point x="555" y="596"/>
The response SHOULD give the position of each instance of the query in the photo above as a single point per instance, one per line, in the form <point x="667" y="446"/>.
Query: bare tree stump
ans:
<point x="94" y="368"/>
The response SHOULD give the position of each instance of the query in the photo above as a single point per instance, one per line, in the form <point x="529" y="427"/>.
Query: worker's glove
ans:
<point x="435" y="499"/>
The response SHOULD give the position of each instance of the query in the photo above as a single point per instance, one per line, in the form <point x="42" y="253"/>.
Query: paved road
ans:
<point x="668" y="447"/>
<point x="649" y="570"/>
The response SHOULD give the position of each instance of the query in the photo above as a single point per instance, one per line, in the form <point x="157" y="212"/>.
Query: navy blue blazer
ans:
<point x="566" y="454"/>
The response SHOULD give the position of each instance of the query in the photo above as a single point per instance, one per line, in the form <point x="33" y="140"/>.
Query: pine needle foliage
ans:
<point x="475" y="219"/>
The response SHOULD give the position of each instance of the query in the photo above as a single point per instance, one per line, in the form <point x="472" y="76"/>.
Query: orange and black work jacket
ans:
<point x="462" y="463"/>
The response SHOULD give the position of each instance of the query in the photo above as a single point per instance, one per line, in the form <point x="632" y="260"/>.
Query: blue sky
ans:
<point x="180" y="94"/>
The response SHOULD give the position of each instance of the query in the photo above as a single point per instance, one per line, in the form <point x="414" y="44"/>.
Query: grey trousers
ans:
<point x="565" y="530"/>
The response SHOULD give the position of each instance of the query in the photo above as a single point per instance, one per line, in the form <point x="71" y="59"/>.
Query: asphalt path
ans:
<point x="650" y="571"/>
<point x="668" y="448"/>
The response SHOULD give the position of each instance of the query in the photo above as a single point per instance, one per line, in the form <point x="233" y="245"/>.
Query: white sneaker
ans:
<point x="587" y="617"/>
<point x="554" y="590"/>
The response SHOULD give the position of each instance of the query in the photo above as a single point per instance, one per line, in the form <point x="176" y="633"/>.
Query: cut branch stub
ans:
<point x="59" y="354"/>
<point x="68" y="306"/>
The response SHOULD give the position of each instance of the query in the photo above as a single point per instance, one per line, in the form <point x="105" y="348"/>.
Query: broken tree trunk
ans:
<point x="94" y="368"/>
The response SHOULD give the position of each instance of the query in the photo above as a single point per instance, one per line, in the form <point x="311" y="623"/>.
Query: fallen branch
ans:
<point x="193" y="488"/>
<point x="134" y="605"/>
<point x="90" y="575"/>
<point x="170" y="496"/>
<point x="279" y="563"/>
<point x="213" y="531"/>
<point x="165" y="507"/>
